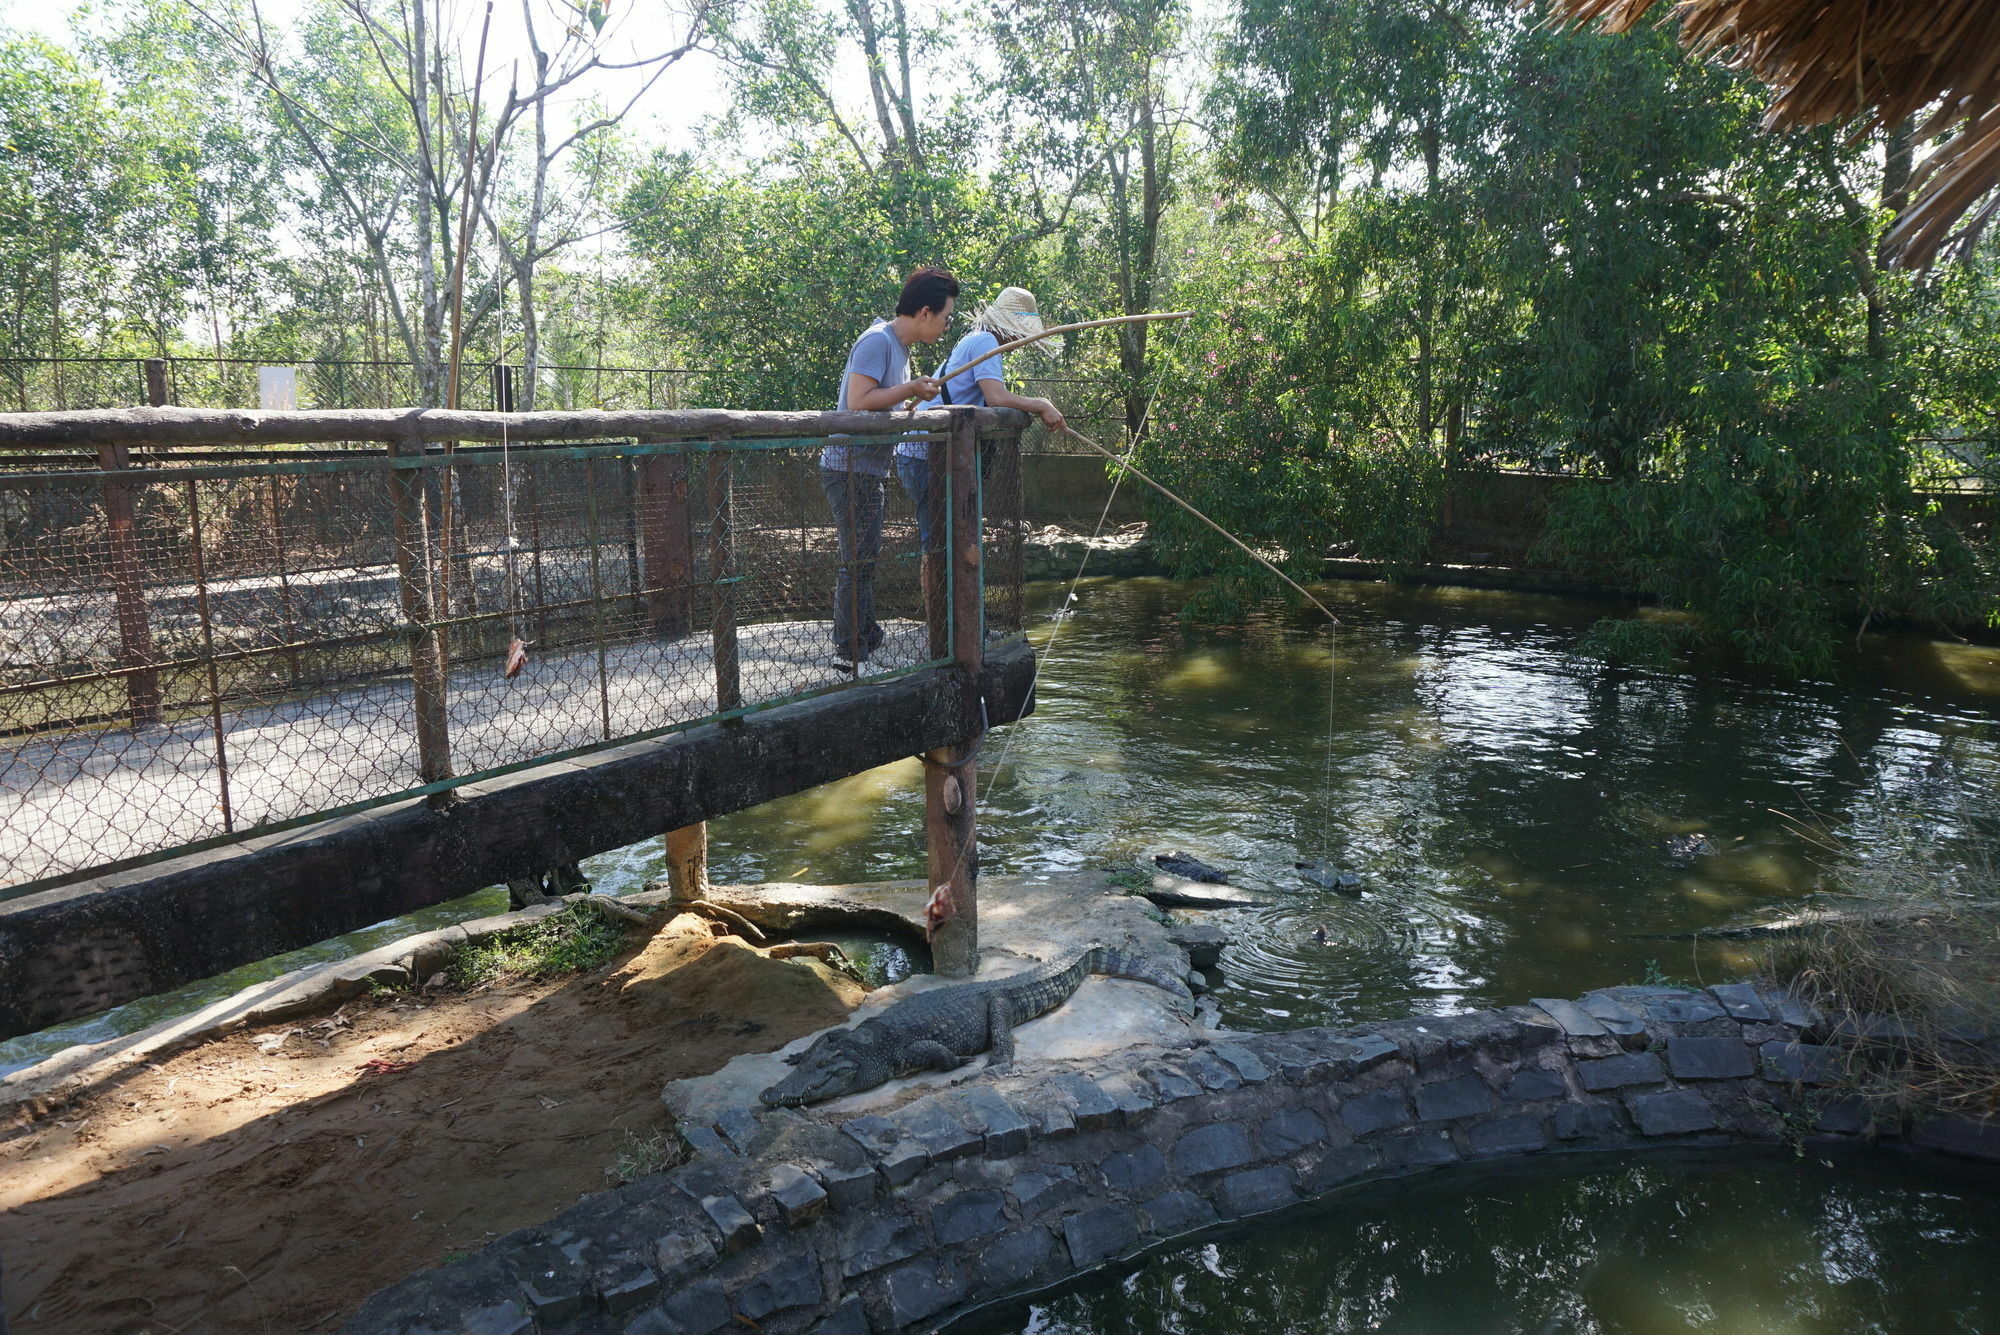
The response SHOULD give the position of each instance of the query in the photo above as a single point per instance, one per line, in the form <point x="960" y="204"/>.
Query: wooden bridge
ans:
<point x="254" y="685"/>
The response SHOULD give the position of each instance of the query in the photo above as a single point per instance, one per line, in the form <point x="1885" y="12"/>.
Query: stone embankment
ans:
<point x="790" y="1220"/>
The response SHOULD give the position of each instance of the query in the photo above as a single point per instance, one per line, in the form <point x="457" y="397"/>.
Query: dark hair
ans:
<point x="926" y="289"/>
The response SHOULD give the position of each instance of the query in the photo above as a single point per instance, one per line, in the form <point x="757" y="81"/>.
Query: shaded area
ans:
<point x="1648" y="1249"/>
<point x="233" y="1188"/>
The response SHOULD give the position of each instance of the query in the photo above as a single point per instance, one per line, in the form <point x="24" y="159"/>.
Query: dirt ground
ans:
<point x="270" y="1181"/>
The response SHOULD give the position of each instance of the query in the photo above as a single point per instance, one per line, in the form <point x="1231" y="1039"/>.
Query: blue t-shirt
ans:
<point x="880" y="355"/>
<point x="964" y="385"/>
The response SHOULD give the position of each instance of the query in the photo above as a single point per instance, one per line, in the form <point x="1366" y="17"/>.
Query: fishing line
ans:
<point x="1068" y="607"/>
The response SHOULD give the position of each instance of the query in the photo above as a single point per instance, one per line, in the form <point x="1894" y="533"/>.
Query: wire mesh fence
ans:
<point x="200" y="645"/>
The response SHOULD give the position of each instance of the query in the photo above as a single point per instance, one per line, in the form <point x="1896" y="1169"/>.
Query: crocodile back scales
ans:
<point x="958" y="1016"/>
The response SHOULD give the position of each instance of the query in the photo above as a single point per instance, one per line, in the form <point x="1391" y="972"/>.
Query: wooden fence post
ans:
<point x="951" y="772"/>
<point x="722" y="586"/>
<point x="931" y="568"/>
<point x="413" y="563"/>
<point x="135" y="634"/>
<point x="665" y="548"/>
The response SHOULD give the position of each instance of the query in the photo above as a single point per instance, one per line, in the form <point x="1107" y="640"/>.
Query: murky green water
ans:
<point x="1522" y="819"/>
<point x="1769" y="1249"/>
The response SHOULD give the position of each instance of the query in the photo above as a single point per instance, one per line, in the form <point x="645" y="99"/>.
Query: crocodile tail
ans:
<point x="1116" y="963"/>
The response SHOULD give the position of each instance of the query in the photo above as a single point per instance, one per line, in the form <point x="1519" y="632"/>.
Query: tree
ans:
<point x="1091" y="88"/>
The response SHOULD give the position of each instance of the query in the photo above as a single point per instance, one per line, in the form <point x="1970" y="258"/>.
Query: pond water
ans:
<point x="1524" y="823"/>
<point x="1756" y="1248"/>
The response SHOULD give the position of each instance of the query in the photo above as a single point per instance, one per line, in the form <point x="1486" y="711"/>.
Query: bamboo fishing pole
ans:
<point x="955" y="371"/>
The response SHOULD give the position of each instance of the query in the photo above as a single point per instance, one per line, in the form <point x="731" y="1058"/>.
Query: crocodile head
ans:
<point x="839" y="1062"/>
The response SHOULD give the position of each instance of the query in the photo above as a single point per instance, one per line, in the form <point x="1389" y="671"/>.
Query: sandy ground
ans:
<point x="271" y="1181"/>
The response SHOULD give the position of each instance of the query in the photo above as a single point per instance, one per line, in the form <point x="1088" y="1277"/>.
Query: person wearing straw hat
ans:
<point x="854" y="471"/>
<point x="1011" y="315"/>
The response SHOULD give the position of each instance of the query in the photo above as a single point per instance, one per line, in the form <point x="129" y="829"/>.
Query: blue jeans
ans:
<point x="856" y="501"/>
<point x="916" y="478"/>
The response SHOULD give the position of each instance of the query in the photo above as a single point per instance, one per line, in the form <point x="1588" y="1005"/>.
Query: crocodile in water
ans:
<point x="939" y="1029"/>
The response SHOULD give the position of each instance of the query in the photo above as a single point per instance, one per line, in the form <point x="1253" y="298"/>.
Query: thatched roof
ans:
<point x="1881" y="60"/>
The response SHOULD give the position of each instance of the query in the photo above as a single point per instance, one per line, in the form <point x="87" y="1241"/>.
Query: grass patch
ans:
<point x="571" y="941"/>
<point x="645" y="1154"/>
<point x="1915" y="957"/>
<point x="1129" y="879"/>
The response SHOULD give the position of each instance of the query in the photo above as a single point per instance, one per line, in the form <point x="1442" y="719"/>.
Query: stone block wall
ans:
<point x="794" y="1221"/>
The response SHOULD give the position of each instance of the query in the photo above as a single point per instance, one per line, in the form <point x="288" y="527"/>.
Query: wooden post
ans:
<point x="722" y="588"/>
<point x="687" y="861"/>
<point x="406" y="492"/>
<point x="937" y="615"/>
<point x="135" y="635"/>
<point x="665" y="547"/>
<point x="950" y="772"/>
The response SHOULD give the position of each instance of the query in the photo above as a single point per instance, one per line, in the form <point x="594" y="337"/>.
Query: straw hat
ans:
<point x="1012" y="314"/>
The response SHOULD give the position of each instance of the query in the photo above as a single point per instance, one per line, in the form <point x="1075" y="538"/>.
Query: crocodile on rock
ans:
<point x="939" y="1029"/>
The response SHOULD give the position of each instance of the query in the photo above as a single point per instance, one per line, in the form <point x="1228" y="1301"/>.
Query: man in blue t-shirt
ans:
<point x="853" y="474"/>
<point x="1011" y="315"/>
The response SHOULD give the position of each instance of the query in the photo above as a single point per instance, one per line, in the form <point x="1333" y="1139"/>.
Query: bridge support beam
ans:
<point x="951" y="773"/>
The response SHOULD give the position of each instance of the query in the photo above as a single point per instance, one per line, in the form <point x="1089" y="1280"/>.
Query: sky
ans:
<point x="669" y="115"/>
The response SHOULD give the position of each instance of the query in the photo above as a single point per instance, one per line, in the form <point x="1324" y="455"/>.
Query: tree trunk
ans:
<point x="687" y="862"/>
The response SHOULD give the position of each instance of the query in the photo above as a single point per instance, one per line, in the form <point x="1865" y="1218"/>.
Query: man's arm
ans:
<point x="999" y="396"/>
<point x="865" y="395"/>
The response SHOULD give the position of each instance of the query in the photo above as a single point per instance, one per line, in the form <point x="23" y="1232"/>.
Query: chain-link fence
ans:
<point x="201" y="644"/>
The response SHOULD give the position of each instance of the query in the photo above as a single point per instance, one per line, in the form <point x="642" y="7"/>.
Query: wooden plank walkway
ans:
<point x="99" y="797"/>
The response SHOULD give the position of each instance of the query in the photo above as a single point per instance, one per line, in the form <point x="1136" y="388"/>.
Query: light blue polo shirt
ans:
<point x="880" y="355"/>
<point x="964" y="385"/>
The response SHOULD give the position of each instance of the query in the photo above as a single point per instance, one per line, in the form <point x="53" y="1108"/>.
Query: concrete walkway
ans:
<point x="96" y="797"/>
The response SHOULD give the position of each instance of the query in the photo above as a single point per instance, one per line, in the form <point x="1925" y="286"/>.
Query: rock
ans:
<point x="1684" y="850"/>
<point x="1675" y="1112"/>
<point x="1202" y="941"/>
<point x="1134" y="1172"/>
<point x="1635" y="1068"/>
<point x="1710" y="1058"/>
<point x="968" y="1215"/>
<point x="1015" y="1259"/>
<point x="1189" y="868"/>
<point x="1450" y="1100"/>
<point x="1258" y="1190"/>
<point x="1177" y="1212"/>
<point x="1101" y="1233"/>
<point x="1330" y="878"/>
<point x="1212" y="1148"/>
<point x="1375" y="1110"/>
<point x="1177" y="892"/>
<point x="1519" y="1134"/>
<point x="919" y="1290"/>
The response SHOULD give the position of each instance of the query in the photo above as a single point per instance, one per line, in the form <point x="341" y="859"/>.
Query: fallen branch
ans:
<point x="730" y="916"/>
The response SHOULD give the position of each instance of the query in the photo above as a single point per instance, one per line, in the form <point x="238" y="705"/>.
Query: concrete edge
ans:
<point x="290" y="996"/>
